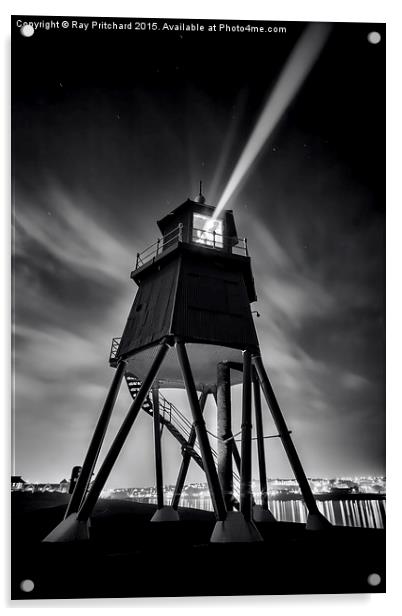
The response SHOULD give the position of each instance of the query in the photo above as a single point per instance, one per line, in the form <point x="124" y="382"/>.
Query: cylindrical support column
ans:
<point x="235" y="449"/>
<point x="202" y="436"/>
<point x="185" y="463"/>
<point x="224" y="430"/>
<point x="260" y="443"/>
<point x="158" y="447"/>
<point x="121" y="436"/>
<point x="285" y="436"/>
<point x="96" y="443"/>
<point x="245" y="466"/>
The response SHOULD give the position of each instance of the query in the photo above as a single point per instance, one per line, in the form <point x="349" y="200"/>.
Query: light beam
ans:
<point x="290" y="80"/>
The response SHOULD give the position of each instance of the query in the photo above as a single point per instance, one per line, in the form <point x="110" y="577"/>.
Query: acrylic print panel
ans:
<point x="224" y="441"/>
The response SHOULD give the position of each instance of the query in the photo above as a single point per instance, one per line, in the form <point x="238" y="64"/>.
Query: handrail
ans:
<point x="114" y="349"/>
<point x="153" y="250"/>
<point x="187" y="429"/>
<point x="212" y="240"/>
<point x="219" y="241"/>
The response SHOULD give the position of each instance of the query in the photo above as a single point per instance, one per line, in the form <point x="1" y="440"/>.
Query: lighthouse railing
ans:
<point x="152" y="251"/>
<point x="209" y="239"/>
<point x="114" y="349"/>
<point x="218" y="241"/>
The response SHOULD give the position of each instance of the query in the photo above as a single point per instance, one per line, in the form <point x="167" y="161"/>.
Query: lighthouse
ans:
<point x="191" y="326"/>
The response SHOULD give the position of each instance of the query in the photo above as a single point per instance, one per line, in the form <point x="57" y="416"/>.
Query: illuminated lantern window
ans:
<point x="207" y="231"/>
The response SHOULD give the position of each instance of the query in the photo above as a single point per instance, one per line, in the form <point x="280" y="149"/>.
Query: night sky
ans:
<point x="111" y="131"/>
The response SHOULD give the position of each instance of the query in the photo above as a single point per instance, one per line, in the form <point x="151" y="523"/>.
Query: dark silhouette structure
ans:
<point x="195" y="287"/>
<point x="75" y="472"/>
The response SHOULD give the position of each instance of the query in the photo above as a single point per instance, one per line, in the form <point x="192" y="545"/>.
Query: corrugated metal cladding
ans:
<point x="212" y="306"/>
<point x="151" y="314"/>
<point x="198" y="300"/>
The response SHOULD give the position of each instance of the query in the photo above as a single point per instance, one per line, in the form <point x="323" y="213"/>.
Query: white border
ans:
<point x="290" y="10"/>
<point x="286" y="10"/>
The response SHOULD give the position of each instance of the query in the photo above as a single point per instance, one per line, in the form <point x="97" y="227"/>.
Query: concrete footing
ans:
<point x="165" y="514"/>
<point x="69" y="530"/>
<point x="316" y="521"/>
<point x="262" y="515"/>
<point x="235" y="529"/>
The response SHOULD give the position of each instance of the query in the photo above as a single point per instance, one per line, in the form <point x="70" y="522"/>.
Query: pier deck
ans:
<point x="127" y="556"/>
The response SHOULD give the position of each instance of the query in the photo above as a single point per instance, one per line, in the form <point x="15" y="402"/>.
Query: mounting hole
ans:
<point x="27" y="585"/>
<point x="138" y="308"/>
<point x="374" y="579"/>
<point x="374" y="38"/>
<point x="27" y="30"/>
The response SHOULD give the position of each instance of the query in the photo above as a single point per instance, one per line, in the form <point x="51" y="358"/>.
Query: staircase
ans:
<point x="177" y="424"/>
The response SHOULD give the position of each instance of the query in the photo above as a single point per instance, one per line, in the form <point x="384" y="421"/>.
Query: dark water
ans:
<point x="366" y="513"/>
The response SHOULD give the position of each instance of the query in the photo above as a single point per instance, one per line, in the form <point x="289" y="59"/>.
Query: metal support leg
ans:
<point x="199" y="425"/>
<point x="185" y="463"/>
<point x="261" y="513"/>
<point x="245" y="468"/>
<point x="96" y="443"/>
<point x="224" y="430"/>
<point x="317" y="519"/>
<point x="235" y="449"/>
<point x="239" y="526"/>
<point x="163" y="513"/>
<point x="158" y="447"/>
<point x="260" y="444"/>
<point x="236" y="456"/>
<point x="121" y="436"/>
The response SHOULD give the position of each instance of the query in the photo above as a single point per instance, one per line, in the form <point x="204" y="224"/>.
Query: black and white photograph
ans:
<point x="198" y="307"/>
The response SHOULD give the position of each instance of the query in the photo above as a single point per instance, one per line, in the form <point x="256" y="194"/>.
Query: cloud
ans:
<point x="53" y="349"/>
<point x="354" y="382"/>
<point x="66" y="230"/>
<point x="316" y="316"/>
<point x="286" y="291"/>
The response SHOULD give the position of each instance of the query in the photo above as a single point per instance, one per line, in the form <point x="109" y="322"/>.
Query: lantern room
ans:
<point x="194" y="222"/>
